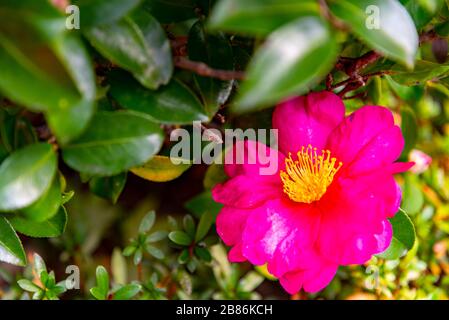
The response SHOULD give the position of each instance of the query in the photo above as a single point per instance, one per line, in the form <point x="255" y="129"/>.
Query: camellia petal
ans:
<point x="307" y="120"/>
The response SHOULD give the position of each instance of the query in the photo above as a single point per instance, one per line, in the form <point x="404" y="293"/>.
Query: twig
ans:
<point x="204" y="70"/>
<point x="325" y="12"/>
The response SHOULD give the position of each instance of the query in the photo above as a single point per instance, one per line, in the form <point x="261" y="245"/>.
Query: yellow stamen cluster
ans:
<point x="306" y="179"/>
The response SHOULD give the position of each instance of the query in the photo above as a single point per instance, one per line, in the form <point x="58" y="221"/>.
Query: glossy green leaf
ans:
<point x="385" y="25"/>
<point x="100" y="292"/>
<point x="50" y="228"/>
<point x="11" y="249"/>
<point x="127" y="292"/>
<point x="160" y="169"/>
<point x="46" y="68"/>
<point x="403" y="237"/>
<point x="97" y="12"/>
<point x="171" y="104"/>
<point x="102" y="151"/>
<point x="48" y="205"/>
<point x="26" y="175"/>
<point x="215" y="51"/>
<point x="138" y="44"/>
<point x="259" y="17"/>
<point x="108" y="188"/>
<point x="294" y="58"/>
<point x="180" y="237"/>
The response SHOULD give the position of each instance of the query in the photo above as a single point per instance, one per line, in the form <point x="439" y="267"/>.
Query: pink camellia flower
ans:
<point x="329" y="201"/>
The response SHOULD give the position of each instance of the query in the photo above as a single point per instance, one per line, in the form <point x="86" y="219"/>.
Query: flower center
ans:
<point x="306" y="179"/>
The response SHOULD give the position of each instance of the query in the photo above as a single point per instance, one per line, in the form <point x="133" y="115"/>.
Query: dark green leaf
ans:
<point x="422" y="11"/>
<point x="189" y="225"/>
<point x="259" y="17"/>
<point x="97" y="12"/>
<point x="102" y="151"/>
<point x="423" y="71"/>
<point x="203" y="254"/>
<point x="168" y="11"/>
<point x="171" y="104"/>
<point x="215" y="51"/>
<point x="203" y="203"/>
<point x="108" y="187"/>
<point x="206" y="221"/>
<point x="26" y="175"/>
<point x="409" y="127"/>
<point x="138" y="44"/>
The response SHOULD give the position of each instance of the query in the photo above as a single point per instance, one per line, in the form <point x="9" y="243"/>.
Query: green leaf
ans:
<point x="168" y="11"/>
<point x="409" y="127"/>
<point x="101" y="290"/>
<point x="108" y="187"/>
<point x="171" y="104"/>
<point x="203" y="203"/>
<point x="147" y="222"/>
<point x="26" y="175"/>
<point x="97" y="12"/>
<point x="160" y="169"/>
<point x="53" y="227"/>
<point x="138" y="44"/>
<point x="395" y="35"/>
<point x="422" y="11"/>
<point x="203" y="254"/>
<point x="102" y="151"/>
<point x="206" y="221"/>
<point x="403" y="237"/>
<point x="28" y="285"/>
<point x="48" y="205"/>
<point x="127" y="292"/>
<point x="294" y="58"/>
<point x="423" y="72"/>
<point x="180" y="237"/>
<point x="46" y="68"/>
<point x="215" y="51"/>
<point x="259" y="17"/>
<point x="413" y="198"/>
<point x="189" y="225"/>
<point x="155" y="252"/>
<point x="156" y="236"/>
<point x="11" y="249"/>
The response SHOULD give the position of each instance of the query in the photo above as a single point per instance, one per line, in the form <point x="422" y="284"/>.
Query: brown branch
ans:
<point x="334" y="21"/>
<point x="204" y="70"/>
